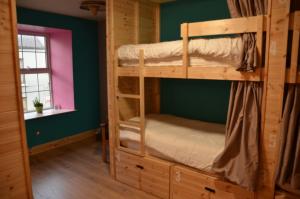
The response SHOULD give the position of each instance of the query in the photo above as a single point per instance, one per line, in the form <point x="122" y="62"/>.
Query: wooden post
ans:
<point x="142" y="101"/>
<point x="110" y="42"/>
<point x="185" y="48"/>
<point x="277" y="34"/>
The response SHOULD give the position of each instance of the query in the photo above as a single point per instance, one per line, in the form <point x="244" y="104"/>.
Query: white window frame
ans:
<point x="37" y="70"/>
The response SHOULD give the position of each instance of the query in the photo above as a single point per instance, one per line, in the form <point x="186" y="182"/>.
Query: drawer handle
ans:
<point x="139" y="166"/>
<point x="210" y="190"/>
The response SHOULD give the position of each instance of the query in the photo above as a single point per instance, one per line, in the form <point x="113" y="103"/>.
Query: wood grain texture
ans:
<point x="77" y="171"/>
<point x="15" y="179"/>
<point x="189" y="184"/>
<point x="277" y="34"/>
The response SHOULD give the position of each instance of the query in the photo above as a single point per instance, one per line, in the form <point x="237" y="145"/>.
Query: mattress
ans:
<point x="189" y="142"/>
<point x="203" y="52"/>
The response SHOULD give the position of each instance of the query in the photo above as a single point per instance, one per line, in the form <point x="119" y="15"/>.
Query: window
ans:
<point x="35" y="70"/>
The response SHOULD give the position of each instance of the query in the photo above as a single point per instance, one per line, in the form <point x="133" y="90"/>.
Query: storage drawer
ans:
<point x="155" y="177"/>
<point x="188" y="184"/>
<point x="230" y="191"/>
<point x="128" y="168"/>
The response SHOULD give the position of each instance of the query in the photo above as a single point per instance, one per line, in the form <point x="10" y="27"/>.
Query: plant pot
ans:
<point x="39" y="109"/>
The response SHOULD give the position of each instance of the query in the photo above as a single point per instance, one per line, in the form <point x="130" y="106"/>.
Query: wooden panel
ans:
<point x="226" y="190"/>
<point x="124" y="25"/>
<point x="155" y="177"/>
<point x="147" y="19"/>
<point x="127" y="168"/>
<point x="224" y="26"/>
<point x="188" y="184"/>
<point x="223" y="73"/>
<point x="14" y="168"/>
<point x="277" y="34"/>
<point x="165" y="71"/>
<point x="153" y="71"/>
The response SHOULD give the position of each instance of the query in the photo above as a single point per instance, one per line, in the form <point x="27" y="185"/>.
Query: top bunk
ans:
<point x="193" y="57"/>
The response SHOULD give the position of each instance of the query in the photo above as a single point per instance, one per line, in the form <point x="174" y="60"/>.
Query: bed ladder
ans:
<point x="136" y="126"/>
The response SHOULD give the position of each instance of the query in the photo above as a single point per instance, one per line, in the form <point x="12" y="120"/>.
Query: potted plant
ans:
<point x="38" y="105"/>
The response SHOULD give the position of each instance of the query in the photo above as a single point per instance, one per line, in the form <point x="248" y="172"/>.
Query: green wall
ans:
<point x="85" y="74"/>
<point x="197" y="99"/>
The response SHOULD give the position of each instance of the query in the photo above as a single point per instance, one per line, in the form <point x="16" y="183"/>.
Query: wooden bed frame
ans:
<point x="135" y="91"/>
<point x="255" y="24"/>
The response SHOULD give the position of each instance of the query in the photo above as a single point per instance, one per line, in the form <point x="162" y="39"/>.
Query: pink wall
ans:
<point x="61" y="61"/>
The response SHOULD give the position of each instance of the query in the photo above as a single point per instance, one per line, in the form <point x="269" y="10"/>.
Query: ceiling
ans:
<point x="65" y="7"/>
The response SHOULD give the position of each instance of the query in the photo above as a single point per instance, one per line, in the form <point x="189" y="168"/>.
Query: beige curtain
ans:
<point x="239" y="160"/>
<point x="288" y="172"/>
<point x="246" y="8"/>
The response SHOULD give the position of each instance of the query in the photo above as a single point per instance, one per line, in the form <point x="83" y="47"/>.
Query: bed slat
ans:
<point x="224" y="26"/>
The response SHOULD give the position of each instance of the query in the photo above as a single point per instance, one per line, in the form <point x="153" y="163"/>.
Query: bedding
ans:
<point x="203" y="52"/>
<point x="189" y="142"/>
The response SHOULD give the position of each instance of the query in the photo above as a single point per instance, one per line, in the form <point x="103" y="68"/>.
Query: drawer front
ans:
<point x="155" y="177"/>
<point x="128" y="168"/>
<point x="188" y="184"/>
<point x="226" y="190"/>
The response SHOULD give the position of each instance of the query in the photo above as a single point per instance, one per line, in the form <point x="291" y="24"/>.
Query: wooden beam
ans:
<point x="277" y="34"/>
<point x="224" y="26"/>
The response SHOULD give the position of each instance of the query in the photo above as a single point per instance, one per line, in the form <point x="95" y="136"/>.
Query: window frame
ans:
<point x="37" y="70"/>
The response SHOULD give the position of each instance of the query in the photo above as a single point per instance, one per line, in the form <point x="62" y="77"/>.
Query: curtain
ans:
<point x="239" y="160"/>
<point x="288" y="171"/>
<point x="246" y="8"/>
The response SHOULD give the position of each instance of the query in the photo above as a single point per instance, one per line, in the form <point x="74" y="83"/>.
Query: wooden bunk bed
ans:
<point x="134" y="92"/>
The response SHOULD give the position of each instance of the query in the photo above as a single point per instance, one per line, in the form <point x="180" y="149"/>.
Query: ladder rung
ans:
<point x="128" y="96"/>
<point x="130" y="123"/>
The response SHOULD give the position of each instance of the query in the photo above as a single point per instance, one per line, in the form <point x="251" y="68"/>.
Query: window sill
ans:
<point x="46" y="113"/>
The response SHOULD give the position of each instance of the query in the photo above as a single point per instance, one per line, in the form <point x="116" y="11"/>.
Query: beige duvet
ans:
<point x="190" y="142"/>
<point x="203" y="52"/>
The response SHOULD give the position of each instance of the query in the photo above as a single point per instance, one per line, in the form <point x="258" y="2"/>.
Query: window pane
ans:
<point x="28" y="42"/>
<point x="45" y="98"/>
<point x="40" y="43"/>
<point x="30" y="98"/>
<point x="41" y="60"/>
<point x="44" y="81"/>
<point x="31" y="82"/>
<point x="29" y="59"/>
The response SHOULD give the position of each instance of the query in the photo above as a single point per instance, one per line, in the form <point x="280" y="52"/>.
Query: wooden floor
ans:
<point x="76" y="171"/>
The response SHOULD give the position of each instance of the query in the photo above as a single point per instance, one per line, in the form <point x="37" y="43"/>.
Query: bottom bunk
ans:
<point x="189" y="142"/>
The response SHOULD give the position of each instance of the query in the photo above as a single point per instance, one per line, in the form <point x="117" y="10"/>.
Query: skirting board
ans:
<point x="62" y="142"/>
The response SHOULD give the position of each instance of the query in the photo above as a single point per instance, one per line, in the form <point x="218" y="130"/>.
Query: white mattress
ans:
<point x="190" y="142"/>
<point x="203" y="52"/>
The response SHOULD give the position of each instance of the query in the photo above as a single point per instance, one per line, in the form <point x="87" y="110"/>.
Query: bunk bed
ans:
<point x="134" y="67"/>
<point x="196" y="58"/>
<point x="203" y="58"/>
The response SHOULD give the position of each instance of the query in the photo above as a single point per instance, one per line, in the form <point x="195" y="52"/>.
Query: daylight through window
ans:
<point x="35" y="71"/>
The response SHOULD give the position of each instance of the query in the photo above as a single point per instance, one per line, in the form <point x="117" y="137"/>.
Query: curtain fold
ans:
<point x="288" y="171"/>
<point x="246" y="8"/>
<point x="240" y="159"/>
